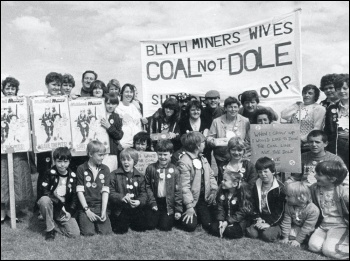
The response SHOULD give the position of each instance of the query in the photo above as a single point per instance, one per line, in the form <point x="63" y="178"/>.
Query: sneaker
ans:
<point x="50" y="236"/>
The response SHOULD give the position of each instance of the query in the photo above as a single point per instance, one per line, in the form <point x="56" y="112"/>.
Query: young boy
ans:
<point x="163" y="189"/>
<point x="142" y="141"/>
<point x="128" y="195"/>
<point x="332" y="198"/>
<point x="268" y="201"/>
<point x="93" y="191"/>
<point x="59" y="200"/>
<point x="114" y="129"/>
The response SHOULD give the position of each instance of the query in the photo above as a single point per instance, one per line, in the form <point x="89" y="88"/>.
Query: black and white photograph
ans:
<point x="155" y="130"/>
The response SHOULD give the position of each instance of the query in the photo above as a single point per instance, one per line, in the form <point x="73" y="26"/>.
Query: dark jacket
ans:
<point x="115" y="133"/>
<point x="209" y="114"/>
<point x="118" y="189"/>
<point x="275" y="202"/>
<point x="331" y="122"/>
<point x="341" y="200"/>
<point x="231" y="209"/>
<point x="50" y="183"/>
<point x="173" y="187"/>
<point x="93" y="196"/>
<point x="156" y="127"/>
<point x="250" y="175"/>
<point x="185" y="126"/>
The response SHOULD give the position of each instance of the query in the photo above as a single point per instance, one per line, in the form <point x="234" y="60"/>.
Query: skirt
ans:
<point x="22" y="179"/>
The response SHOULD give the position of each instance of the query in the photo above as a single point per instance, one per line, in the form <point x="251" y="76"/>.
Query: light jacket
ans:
<point x="341" y="200"/>
<point x="191" y="179"/>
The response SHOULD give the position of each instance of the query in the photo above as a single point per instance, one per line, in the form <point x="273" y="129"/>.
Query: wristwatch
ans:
<point x="86" y="208"/>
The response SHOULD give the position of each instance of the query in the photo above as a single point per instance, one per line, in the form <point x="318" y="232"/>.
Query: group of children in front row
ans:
<point x="187" y="194"/>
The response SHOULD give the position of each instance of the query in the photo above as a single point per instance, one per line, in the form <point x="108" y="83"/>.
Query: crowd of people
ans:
<point x="104" y="193"/>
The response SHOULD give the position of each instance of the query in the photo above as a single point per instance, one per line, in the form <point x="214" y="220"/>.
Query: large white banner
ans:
<point x="264" y="56"/>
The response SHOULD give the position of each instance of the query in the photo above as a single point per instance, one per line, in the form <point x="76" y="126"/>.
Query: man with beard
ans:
<point x="250" y="101"/>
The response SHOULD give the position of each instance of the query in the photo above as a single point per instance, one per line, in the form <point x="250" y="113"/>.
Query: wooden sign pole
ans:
<point x="12" y="190"/>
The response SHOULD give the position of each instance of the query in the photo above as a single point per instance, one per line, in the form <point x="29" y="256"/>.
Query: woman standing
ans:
<point x="21" y="169"/>
<point x="308" y="114"/>
<point x="231" y="124"/>
<point x="167" y="121"/>
<point x="337" y="120"/>
<point x="130" y="115"/>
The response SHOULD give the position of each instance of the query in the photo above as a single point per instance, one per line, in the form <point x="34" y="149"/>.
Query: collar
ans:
<point x="159" y="167"/>
<point x="223" y="118"/>
<point x="274" y="184"/>
<point x="87" y="167"/>
<point x="122" y="172"/>
<point x="192" y="155"/>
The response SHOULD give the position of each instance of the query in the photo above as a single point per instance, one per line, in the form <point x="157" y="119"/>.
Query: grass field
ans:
<point x="28" y="242"/>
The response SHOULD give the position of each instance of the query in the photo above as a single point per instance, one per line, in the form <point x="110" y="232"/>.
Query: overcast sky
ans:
<point x="71" y="37"/>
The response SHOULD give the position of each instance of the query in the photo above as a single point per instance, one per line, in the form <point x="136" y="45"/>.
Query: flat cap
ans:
<point x="212" y="94"/>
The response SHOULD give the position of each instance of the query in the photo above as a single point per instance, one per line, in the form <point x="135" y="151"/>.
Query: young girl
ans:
<point x="300" y="216"/>
<point x="59" y="201"/>
<point x="199" y="186"/>
<point x="114" y="129"/>
<point x="163" y="189"/>
<point x="332" y="198"/>
<point x="268" y="201"/>
<point x="234" y="206"/>
<point x="93" y="190"/>
<point x="236" y="148"/>
<point x="142" y="141"/>
<point x="128" y="195"/>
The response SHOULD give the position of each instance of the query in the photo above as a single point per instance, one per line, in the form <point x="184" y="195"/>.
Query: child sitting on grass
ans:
<point x="59" y="200"/>
<point x="128" y="195"/>
<point x="142" y="141"/>
<point x="268" y="201"/>
<point x="93" y="190"/>
<point x="234" y="206"/>
<point x="163" y="189"/>
<point x="332" y="198"/>
<point x="300" y="216"/>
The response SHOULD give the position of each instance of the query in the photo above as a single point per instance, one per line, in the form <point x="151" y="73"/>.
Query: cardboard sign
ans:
<point x="145" y="159"/>
<point x="15" y="125"/>
<point x="50" y="123"/>
<point x="85" y="119"/>
<point x="264" y="56"/>
<point x="281" y="142"/>
<point x="160" y="136"/>
<point x="221" y="142"/>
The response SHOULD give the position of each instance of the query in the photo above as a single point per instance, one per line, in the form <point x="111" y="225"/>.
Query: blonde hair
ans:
<point x="130" y="153"/>
<point x="299" y="190"/>
<point x="95" y="146"/>
<point x="236" y="142"/>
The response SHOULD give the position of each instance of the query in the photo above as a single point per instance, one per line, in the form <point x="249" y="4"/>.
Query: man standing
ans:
<point x="87" y="78"/>
<point x="250" y="101"/>
<point x="211" y="111"/>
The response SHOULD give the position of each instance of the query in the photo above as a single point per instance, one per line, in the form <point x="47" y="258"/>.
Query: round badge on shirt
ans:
<point x="169" y="176"/>
<point x="53" y="171"/>
<point x="101" y="176"/>
<point x="88" y="184"/>
<point x="136" y="184"/>
<point x="171" y="170"/>
<point x="111" y="121"/>
<point x="88" y="178"/>
<point x="94" y="185"/>
<point x="86" y="173"/>
<point x="73" y="174"/>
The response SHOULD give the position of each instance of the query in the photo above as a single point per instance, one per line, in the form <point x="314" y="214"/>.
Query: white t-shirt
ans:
<point x="131" y="118"/>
